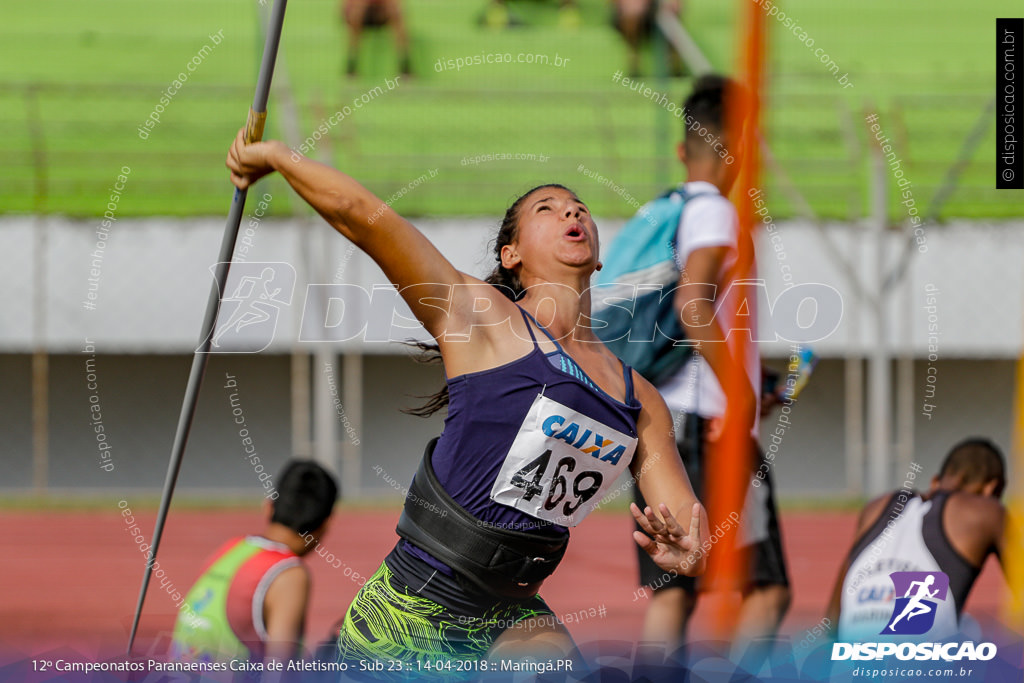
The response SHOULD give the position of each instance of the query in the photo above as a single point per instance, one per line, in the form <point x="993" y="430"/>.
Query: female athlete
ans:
<point x="542" y="420"/>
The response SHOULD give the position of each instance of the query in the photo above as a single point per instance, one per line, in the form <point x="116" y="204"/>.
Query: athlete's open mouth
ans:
<point x="576" y="233"/>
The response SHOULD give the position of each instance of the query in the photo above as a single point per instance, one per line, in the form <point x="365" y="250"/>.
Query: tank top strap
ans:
<point x="529" y="318"/>
<point x="959" y="569"/>
<point x="627" y="375"/>
<point x="529" y="328"/>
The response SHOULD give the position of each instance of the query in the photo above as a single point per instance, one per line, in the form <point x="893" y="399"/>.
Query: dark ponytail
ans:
<point x="503" y="279"/>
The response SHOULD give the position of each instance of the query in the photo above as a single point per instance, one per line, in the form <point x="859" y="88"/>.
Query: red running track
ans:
<point x="71" y="579"/>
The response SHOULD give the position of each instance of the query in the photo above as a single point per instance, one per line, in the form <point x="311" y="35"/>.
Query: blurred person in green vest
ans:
<point x="250" y="600"/>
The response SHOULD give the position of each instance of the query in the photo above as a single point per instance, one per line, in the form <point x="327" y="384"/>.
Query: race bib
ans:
<point x="561" y="464"/>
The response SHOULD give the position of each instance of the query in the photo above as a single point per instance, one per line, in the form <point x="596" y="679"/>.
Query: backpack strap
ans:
<point x="685" y="196"/>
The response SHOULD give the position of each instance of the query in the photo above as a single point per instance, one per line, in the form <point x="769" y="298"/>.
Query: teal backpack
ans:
<point x="633" y="311"/>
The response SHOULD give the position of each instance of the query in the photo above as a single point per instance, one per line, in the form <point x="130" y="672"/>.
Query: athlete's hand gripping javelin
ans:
<point x="249" y="162"/>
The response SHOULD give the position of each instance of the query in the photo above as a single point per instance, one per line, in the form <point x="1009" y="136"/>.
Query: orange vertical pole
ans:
<point x="730" y="459"/>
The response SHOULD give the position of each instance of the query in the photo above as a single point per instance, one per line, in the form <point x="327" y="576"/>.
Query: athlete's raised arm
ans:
<point x="675" y="523"/>
<point x="406" y="256"/>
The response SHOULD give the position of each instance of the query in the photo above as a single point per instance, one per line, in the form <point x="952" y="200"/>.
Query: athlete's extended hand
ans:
<point x="667" y="542"/>
<point x="249" y="163"/>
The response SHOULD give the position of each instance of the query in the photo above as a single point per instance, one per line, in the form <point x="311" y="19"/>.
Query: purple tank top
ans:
<point x="485" y="412"/>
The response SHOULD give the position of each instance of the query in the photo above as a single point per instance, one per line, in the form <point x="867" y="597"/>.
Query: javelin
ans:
<point x="253" y="133"/>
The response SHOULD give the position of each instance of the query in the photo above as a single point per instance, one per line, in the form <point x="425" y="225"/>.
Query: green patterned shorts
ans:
<point x="388" y="622"/>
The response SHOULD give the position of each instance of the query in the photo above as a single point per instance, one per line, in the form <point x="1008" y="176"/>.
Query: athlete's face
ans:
<point x="555" y="228"/>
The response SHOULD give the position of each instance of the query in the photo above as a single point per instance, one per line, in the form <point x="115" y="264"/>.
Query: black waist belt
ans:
<point x="501" y="562"/>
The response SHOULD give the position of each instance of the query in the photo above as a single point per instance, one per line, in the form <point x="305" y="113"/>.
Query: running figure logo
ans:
<point x="251" y="305"/>
<point x="914" y="613"/>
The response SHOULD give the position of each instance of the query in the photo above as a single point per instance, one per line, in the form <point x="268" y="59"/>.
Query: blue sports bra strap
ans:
<point x="627" y="374"/>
